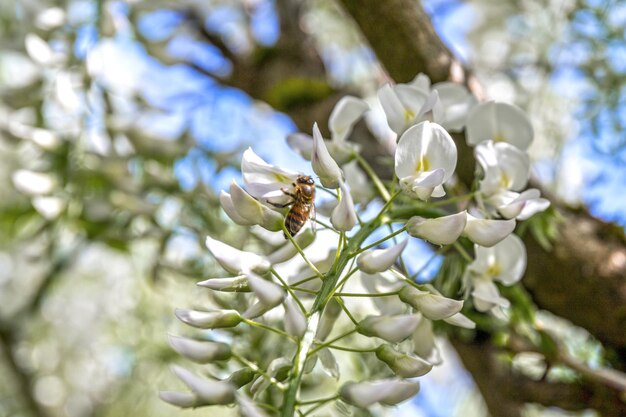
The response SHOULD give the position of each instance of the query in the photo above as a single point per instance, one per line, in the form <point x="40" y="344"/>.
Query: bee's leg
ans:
<point x="287" y="192"/>
<point x="278" y="205"/>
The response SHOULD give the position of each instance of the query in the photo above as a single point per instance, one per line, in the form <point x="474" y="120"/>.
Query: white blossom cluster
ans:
<point x="391" y="322"/>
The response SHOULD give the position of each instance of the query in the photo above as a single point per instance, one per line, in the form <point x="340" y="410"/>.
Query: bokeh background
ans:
<point x="120" y="122"/>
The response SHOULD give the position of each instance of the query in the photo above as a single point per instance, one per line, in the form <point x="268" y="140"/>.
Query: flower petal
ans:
<point x="295" y="321"/>
<point x="401" y="364"/>
<point x="231" y="284"/>
<point x="379" y="260"/>
<point x="179" y="399"/>
<point x="268" y="293"/>
<point x="391" y="328"/>
<point x="486" y="295"/>
<point x="499" y="122"/>
<point x="432" y="306"/>
<point x="323" y="164"/>
<point x="344" y="115"/>
<point x="207" y="391"/>
<point x="262" y="178"/>
<point x="235" y="261"/>
<point x="460" y="320"/>
<point x="443" y="230"/>
<point x="200" y="351"/>
<point x="487" y="232"/>
<point x="343" y="217"/>
<point x="214" y="319"/>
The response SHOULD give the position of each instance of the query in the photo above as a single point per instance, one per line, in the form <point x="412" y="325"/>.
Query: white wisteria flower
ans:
<point x="403" y="364"/>
<point x="323" y="164"/>
<point x="432" y="306"/>
<point x="456" y="103"/>
<point x="487" y="232"/>
<point x="425" y="158"/>
<point x="520" y="206"/>
<point x="246" y="210"/>
<point x="204" y="351"/>
<point x="343" y="216"/>
<point x="379" y="260"/>
<point x="443" y="230"/>
<point x="229" y="284"/>
<point x="389" y="391"/>
<point x="213" y="319"/>
<point x="269" y="294"/>
<point x="390" y="328"/>
<point x="505" y="262"/>
<point x="234" y="260"/>
<point x="405" y="105"/>
<point x="345" y="114"/>
<point x="295" y="321"/>
<point x="423" y="340"/>
<point x="206" y="391"/>
<point x="505" y="167"/>
<point x="264" y="181"/>
<point x="500" y="122"/>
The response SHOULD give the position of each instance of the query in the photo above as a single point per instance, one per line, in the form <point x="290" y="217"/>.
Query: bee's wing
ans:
<point x="312" y="217"/>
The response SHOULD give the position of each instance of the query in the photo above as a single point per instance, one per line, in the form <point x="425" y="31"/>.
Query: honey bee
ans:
<point x="302" y="205"/>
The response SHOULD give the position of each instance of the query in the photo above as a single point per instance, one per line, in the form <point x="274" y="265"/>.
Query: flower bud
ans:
<point x="235" y="261"/>
<point x="179" y="399"/>
<point x="328" y="319"/>
<point x="487" y="232"/>
<point x="241" y="377"/>
<point x="432" y="306"/>
<point x="329" y="363"/>
<point x="385" y="391"/>
<point x="228" y="206"/>
<point x="391" y="328"/>
<point x="214" y="319"/>
<point x="232" y="284"/>
<point x="402" y="364"/>
<point x="295" y="321"/>
<point x="443" y="230"/>
<point x="424" y="341"/>
<point x="207" y="392"/>
<point x="263" y="180"/>
<point x="268" y="293"/>
<point x="200" y="351"/>
<point x="343" y="217"/>
<point x="278" y="369"/>
<point x="380" y="260"/>
<point x="322" y="163"/>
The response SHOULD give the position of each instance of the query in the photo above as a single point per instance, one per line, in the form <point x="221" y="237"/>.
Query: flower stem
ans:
<point x="266" y="327"/>
<point x="377" y="182"/>
<point x="295" y="244"/>
<point x="379" y="241"/>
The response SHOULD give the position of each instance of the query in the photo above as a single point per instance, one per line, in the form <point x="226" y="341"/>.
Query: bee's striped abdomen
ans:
<point x="297" y="216"/>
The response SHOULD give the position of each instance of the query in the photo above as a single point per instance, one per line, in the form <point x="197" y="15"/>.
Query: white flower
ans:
<point x="456" y="103"/>
<point x="460" y="320"/>
<point x="343" y="217"/>
<point x="200" y="351"/>
<point x="443" y="230"/>
<point x="522" y="206"/>
<point x="402" y="364"/>
<point x="345" y="114"/>
<point x="236" y="261"/>
<point x="391" y="328"/>
<point x="213" y="319"/>
<point x="426" y="157"/>
<point x="33" y="183"/>
<point x="499" y="122"/>
<point x="404" y="105"/>
<point x="487" y="232"/>
<point x="295" y="321"/>
<point x="207" y="392"/>
<point x="432" y="306"/>
<point x="269" y="294"/>
<point x="230" y="284"/>
<point x="328" y="319"/>
<point x="505" y="167"/>
<point x="245" y="210"/>
<point x="505" y="262"/>
<point x="329" y="363"/>
<point x="179" y="399"/>
<point x="323" y="164"/>
<point x="379" y="260"/>
<point x="385" y="391"/>
<point x="263" y="180"/>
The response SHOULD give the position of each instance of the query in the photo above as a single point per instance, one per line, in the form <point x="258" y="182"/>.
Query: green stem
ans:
<point x="266" y="327"/>
<point x="377" y="182"/>
<point x="379" y="241"/>
<point x="356" y="294"/>
<point x="289" y="290"/>
<point x="349" y="349"/>
<point x="295" y="244"/>
<point x="330" y="342"/>
<point x="463" y="252"/>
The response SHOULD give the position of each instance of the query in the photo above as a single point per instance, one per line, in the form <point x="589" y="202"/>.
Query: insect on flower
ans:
<point x="302" y="205"/>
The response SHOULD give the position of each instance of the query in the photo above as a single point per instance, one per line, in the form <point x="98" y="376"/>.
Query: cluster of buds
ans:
<point x="360" y="300"/>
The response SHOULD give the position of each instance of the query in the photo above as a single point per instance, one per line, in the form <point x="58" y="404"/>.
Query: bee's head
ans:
<point x="305" y="179"/>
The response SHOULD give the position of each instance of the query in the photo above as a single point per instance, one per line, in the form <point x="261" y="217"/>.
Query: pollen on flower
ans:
<point x="499" y="137"/>
<point x="505" y="181"/>
<point x="408" y="116"/>
<point x="422" y="164"/>
<point x="494" y="269"/>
